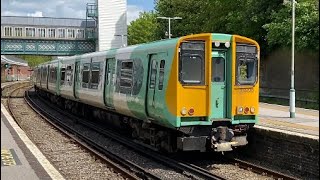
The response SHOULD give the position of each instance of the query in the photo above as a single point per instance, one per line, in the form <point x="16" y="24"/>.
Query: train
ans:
<point x="197" y="92"/>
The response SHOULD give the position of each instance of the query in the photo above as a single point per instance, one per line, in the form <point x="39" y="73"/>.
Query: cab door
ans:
<point x="218" y="85"/>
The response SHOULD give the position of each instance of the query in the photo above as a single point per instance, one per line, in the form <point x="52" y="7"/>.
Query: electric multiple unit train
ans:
<point x="197" y="92"/>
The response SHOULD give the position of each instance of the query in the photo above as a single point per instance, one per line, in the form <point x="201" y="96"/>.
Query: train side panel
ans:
<point x="91" y="80"/>
<point x="66" y="77"/>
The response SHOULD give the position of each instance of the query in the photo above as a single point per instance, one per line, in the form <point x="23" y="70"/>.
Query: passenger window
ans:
<point x="153" y="74"/>
<point x="63" y="74"/>
<point x="53" y="74"/>
<point x="126" y="74"/>
<point x="161" y="74"/>
<point x="85" y="75"/>
<point x="95" y="71"/>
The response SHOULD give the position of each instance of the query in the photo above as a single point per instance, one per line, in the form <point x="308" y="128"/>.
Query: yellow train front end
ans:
<point x="213" y="90"/>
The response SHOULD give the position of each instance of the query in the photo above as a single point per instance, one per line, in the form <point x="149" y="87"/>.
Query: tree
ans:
<point x="243" y="17"/>
<point x="34" y="60"/>
<point x="306" y="30"/>
<point x="143" y="29"/>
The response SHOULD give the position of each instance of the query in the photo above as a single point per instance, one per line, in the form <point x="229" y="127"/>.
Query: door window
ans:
<point x="161" y="74"/>
<point x="218" y="69"/>
<point x="153" y="74"/>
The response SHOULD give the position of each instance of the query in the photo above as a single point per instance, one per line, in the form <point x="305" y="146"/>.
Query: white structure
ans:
<point x="112" y="24"/>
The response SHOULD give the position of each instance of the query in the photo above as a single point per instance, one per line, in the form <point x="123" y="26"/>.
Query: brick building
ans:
<point x="14" y="69"/>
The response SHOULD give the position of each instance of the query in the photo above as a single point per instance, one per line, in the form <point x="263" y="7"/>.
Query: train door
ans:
<point x="155" y="93"/>
<point x="76" y="84"/>
<point x="152" y="83"/>
<point x="109" y="85"/>
<point x="48" y="74"/>
<point x="218" y="85"/>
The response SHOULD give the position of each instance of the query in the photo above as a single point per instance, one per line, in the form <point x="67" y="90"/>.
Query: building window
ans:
<point x="85" y="75"/>
<point x="161" y="74"/>
<point x="51" y="33"/>
<point x="95" y="73"/>
<point x="30" y="32"/>
<point x="61" y="33"/>
<point x="7" y="31"/>
<point x="18" y="31"/>
<point x="80" y="33"/>
<point x="42" y="32"/>
<point x="71" y="33"/>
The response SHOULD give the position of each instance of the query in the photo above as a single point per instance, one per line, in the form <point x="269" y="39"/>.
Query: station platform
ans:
<point x="278" y="117"/>
<point x="20" y="158"/>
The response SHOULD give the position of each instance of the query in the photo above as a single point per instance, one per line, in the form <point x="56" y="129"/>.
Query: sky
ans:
<point x="65" y="8"/>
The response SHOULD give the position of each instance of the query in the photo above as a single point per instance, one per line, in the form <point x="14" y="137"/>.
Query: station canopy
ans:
<point x="13" y="60"/>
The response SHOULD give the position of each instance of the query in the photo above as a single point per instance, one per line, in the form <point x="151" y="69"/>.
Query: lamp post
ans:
<point x="292" y="90"/>
<point x="169" y="20"/>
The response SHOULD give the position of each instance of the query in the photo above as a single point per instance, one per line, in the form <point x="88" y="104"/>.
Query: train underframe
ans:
<point x="221" y="136"/>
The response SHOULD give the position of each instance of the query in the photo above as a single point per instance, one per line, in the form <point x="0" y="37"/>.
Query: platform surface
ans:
<point x="278" y="117"/>
<point x="20" y="158"/>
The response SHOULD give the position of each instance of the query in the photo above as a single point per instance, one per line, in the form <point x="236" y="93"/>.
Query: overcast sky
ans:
<point x="65" y="8"/>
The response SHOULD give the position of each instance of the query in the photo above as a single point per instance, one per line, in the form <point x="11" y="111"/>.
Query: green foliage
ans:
<point x="34" y="60"/>
<point x="267" y="22"/>
<point x="245" y="18"/>
<point x="306" y="30"/>
<point x="143" y="29"/>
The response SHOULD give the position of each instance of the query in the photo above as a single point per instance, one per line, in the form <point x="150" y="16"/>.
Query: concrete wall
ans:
<point x="112" y="22"/>
<point x="275" y="74"/>
<point x="289" y="152"/>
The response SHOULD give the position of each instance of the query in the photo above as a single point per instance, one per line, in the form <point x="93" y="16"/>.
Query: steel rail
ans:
<point x="187" y="169"/>
<point x="260" y="170"/>
<point x="89" y="144"/>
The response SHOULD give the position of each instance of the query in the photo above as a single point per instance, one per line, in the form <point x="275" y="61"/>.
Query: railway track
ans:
<point x="16" y="100"/>
<point x="228" y="158"/>
<point x="116" y="162"/>
<point x="135" y="172"/>
<point x="188" y="170"/>
<point x="260" y="170"/>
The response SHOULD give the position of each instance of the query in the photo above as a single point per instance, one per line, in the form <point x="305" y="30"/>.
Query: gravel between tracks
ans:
<point x="72" y="160"/>
<point x="126" y="153"/>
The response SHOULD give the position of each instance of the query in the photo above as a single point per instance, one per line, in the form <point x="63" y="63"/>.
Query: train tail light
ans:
<point x="191" y="111"/>
<point x="246" y="110"/>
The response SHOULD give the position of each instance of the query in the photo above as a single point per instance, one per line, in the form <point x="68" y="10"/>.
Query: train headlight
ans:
<point x="184" y="111"/>
<point x="240" y="109"/>
<point x="227" y="44"/>
<point x="252" y="110"/>
<point x="217" y="44"/>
